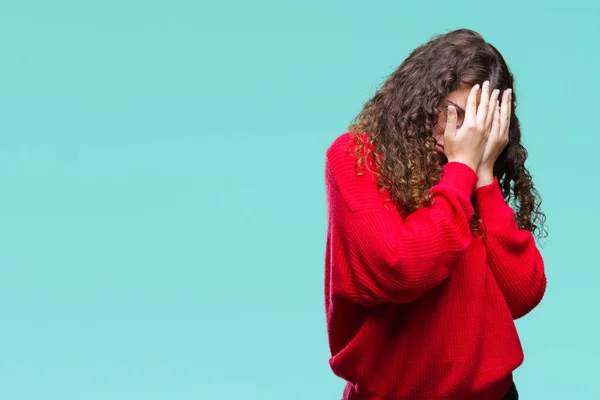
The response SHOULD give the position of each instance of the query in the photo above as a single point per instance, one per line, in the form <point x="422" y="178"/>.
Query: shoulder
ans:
<point x="360" y="192"/>
<point x="341" y="152"/>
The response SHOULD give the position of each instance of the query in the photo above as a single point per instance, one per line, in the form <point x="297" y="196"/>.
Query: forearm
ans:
<point x="517" y="266"/>
<point x="512" y="255"/>
<point x="396" y="259"/>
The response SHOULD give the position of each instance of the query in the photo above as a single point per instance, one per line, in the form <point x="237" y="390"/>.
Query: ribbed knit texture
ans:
<point x="420" y="307"/>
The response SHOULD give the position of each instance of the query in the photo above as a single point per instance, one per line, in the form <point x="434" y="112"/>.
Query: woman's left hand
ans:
<point x="497" y="141"/>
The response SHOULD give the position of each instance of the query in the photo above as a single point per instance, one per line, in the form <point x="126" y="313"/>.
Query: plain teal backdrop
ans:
<point x="162" y="204"/>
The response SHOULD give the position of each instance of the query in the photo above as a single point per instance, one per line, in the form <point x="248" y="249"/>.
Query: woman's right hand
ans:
<point x="468" y="143"/>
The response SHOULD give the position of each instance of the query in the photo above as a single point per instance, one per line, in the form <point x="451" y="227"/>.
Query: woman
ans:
<point x="427" y="266"/>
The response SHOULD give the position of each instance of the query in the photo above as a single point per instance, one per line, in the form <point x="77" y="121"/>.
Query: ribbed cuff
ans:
<point x="459" y="176"/>
<point x="489" y="200"/>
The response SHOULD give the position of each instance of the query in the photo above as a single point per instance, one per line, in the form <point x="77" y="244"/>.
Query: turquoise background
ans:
<point x="162" y="204"/>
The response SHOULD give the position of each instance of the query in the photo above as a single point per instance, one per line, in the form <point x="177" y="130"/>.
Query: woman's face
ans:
<point x="458" y="99"/>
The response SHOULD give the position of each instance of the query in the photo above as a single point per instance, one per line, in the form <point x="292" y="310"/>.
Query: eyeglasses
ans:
<point x="443" y="116"/>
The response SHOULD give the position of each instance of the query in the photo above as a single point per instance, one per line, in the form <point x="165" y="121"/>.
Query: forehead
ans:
<point x="460" y="96"/>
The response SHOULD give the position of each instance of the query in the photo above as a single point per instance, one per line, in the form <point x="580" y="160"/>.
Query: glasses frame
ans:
<point x="459" y="110"/>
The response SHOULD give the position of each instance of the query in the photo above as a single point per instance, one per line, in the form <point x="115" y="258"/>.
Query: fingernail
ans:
<point x="477" y="87"/>
<point x="509" y="92"/>
<point x="497" y="91"/>
<point x="486" y="83"/>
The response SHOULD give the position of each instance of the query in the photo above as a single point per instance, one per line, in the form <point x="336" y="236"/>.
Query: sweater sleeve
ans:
<point x="512" y="255"/>
<point x="395" y="259"/>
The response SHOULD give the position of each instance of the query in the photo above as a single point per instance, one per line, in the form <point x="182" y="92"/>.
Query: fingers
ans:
<point x="492" y="108"/>
<point x="510" y="100"/>
<point x="450" y="130"/>
<point x="494" y="131"/>
<point x="471" y="110"/>
<point x="505" y="111"/>
<point x="484" y="104"/>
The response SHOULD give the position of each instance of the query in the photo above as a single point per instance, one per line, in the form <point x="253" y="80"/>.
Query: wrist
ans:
<point x="489" y="202"/>
<point x="485" y="176"/>
<point x="468" y="163"/>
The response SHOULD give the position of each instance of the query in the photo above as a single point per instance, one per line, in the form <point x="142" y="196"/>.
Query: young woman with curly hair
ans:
<point x="427" y="265"/>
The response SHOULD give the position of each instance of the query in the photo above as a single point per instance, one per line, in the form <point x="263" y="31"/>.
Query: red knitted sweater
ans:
<point x="420" y="307"/>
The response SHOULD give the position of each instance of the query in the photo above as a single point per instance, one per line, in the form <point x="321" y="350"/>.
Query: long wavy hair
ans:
<point x="397" y="124"/>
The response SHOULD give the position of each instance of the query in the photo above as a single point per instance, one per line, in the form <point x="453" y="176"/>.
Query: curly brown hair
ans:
<point x="398" y="121"/>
